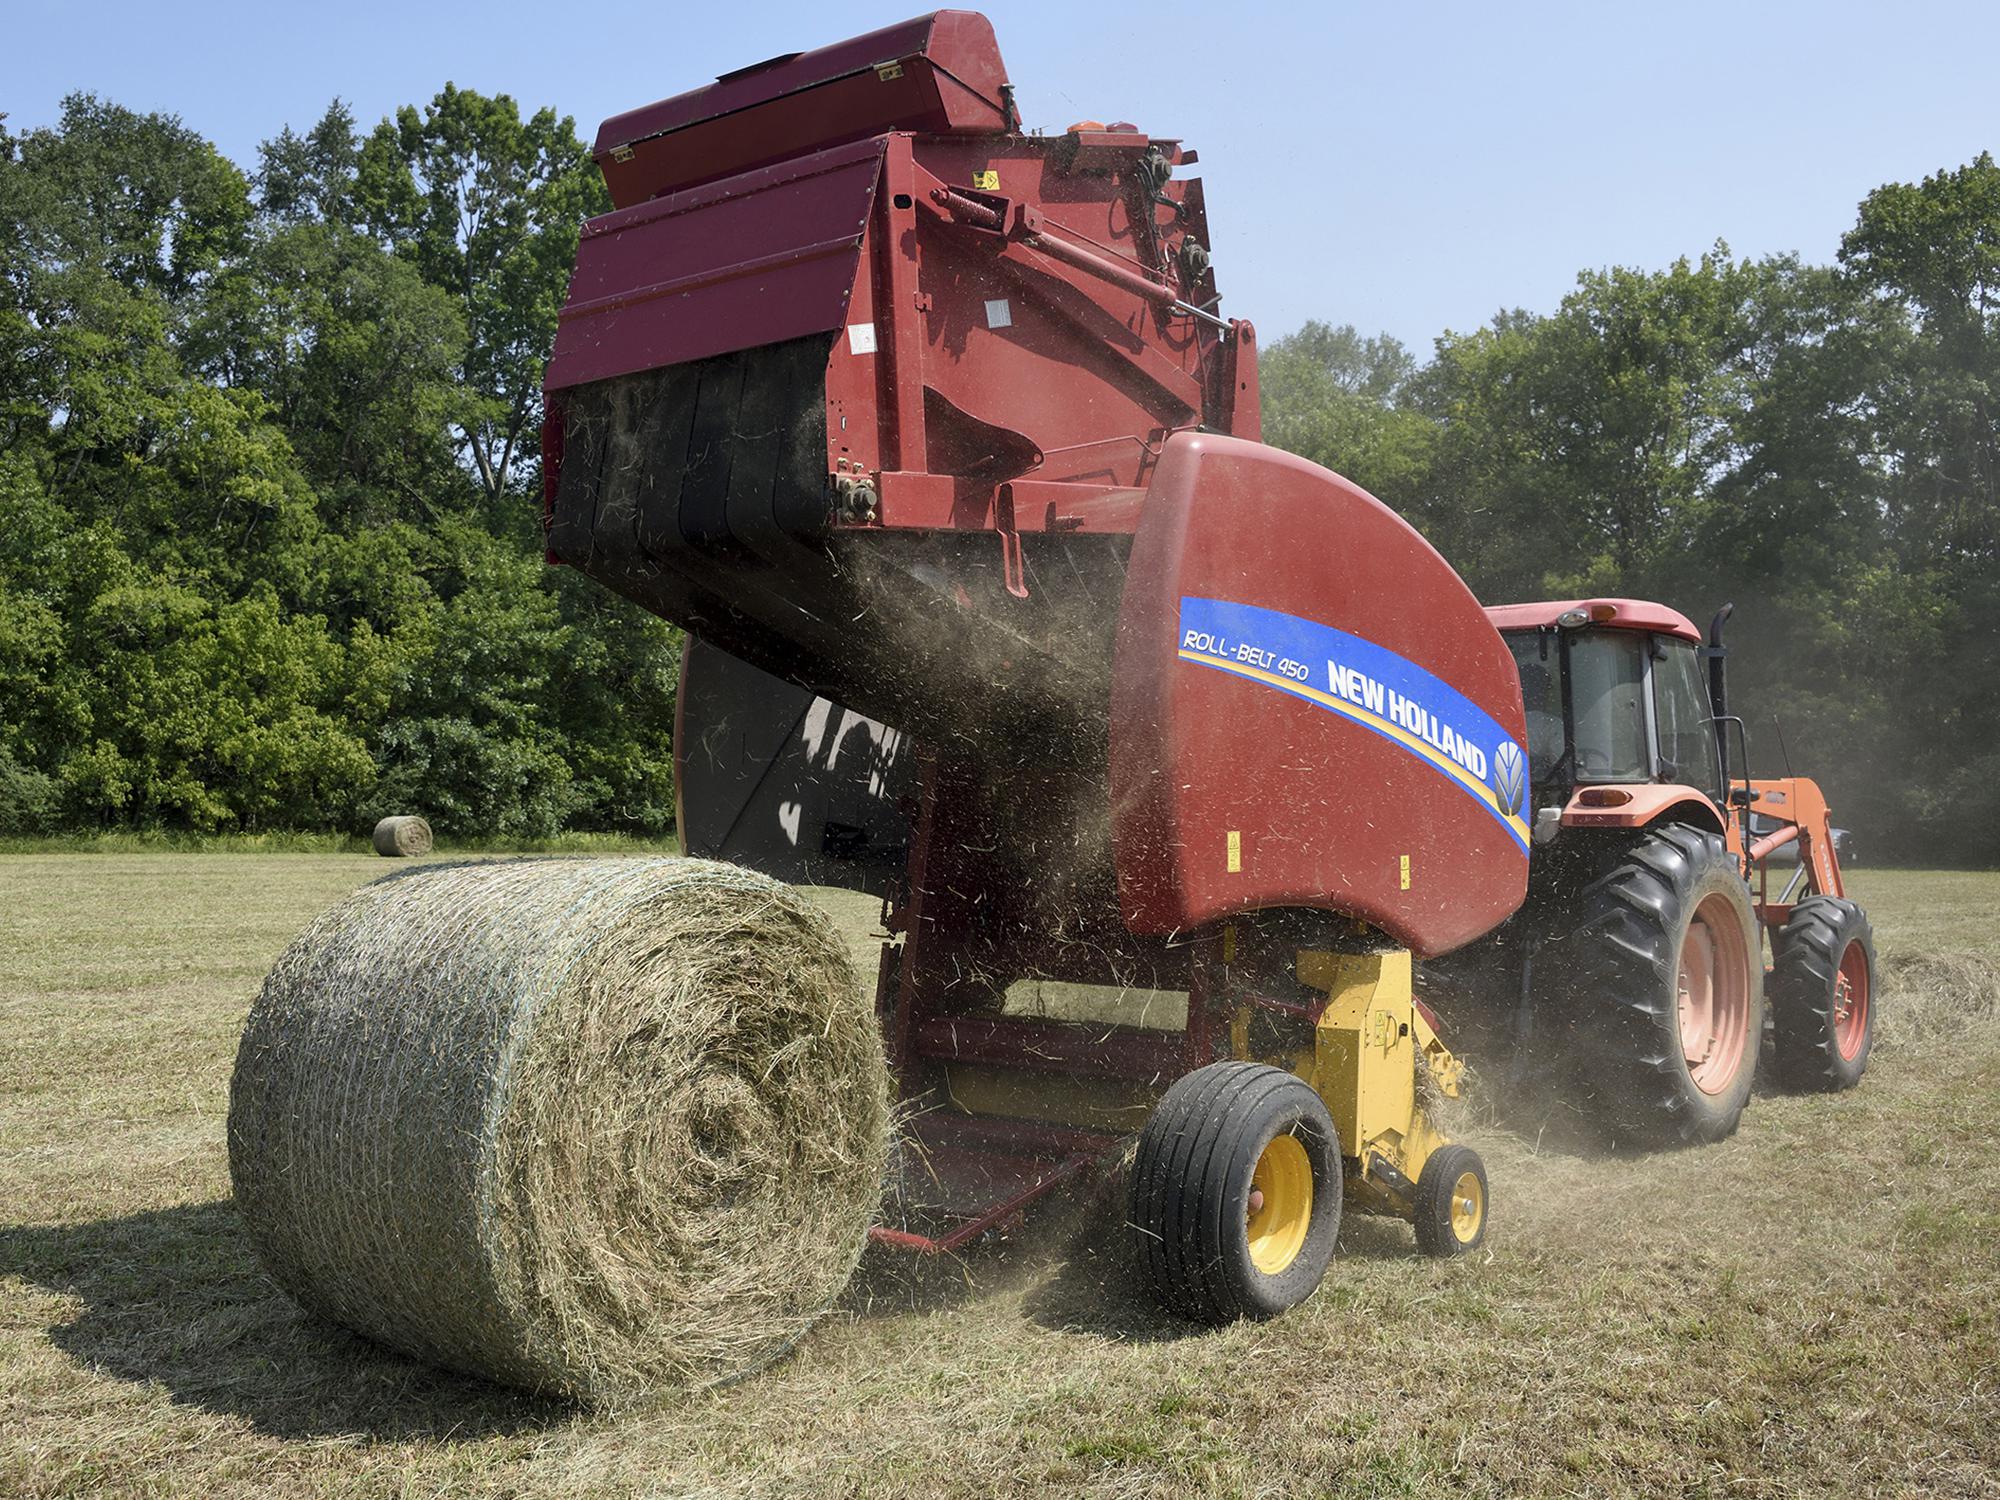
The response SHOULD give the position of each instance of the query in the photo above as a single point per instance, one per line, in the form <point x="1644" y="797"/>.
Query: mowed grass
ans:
<point x="1812" y="1308"/>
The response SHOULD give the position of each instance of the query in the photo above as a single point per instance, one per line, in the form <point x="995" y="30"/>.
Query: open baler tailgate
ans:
<point x="862" y="397"/>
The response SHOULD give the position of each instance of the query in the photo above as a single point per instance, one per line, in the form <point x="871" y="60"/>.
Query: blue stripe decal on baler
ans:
<point x="1370" y="685"/>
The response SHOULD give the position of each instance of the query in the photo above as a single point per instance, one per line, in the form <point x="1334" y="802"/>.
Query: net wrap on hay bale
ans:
<point x="592" y="1127"/>
<point x="402" y="838"/>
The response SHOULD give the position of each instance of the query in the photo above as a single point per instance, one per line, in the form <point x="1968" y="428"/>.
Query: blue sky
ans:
<point x="1404" y="168"/>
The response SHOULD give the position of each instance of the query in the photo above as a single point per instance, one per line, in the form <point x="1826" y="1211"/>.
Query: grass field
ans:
<point x="1812" y="1308"/>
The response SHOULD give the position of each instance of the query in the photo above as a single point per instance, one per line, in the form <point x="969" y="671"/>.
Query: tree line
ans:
<point x="268" y="457"/>
<point x="272" y="556"/>
<point x="1819" y="445"/>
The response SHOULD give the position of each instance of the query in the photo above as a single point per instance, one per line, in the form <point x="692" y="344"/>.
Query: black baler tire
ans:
<point x="1615" y="973"/>
<point x="1804" y="974"/>
<point x="1191" y="1187"/>
<point x="1432" y="1216"/>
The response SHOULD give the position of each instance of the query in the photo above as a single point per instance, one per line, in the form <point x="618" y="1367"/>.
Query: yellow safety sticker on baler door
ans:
<point x="1235" y="851"/>
<point x="986" y="182"/>
<point x="1405" y="873"/>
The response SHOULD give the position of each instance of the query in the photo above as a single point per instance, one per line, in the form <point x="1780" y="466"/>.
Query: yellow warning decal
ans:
<point x="987" y="181"/>
<point x="1235" y="851"/>
<point x="1405" y="873"/>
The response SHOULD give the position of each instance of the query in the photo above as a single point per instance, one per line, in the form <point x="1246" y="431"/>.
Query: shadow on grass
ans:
<point x="1097" y="1288"/>
<point x="176" y="1297"/>
<point x="1072" y="1263"/>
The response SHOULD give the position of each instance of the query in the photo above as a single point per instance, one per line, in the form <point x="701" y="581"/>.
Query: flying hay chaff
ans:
<point x="591" y="1127"/>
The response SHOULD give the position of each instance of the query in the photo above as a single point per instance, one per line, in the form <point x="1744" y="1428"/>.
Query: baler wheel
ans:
<point x="1823" y="995"/>
<point x="1451" y="1202"/>
<point x="1236" y="1193"/>
<point x="1661" y="988"/>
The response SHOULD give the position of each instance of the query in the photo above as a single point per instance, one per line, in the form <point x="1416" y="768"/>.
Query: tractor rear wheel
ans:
<point x="1662" y="991"/>
<point x="1236" y="1193"/>
<point x="1823" y="995"/>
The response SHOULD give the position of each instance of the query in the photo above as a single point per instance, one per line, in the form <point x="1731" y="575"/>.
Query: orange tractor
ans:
<point x="1634" y="972"/>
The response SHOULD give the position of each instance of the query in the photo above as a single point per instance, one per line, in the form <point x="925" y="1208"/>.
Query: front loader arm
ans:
<point x="1798" y="806"/>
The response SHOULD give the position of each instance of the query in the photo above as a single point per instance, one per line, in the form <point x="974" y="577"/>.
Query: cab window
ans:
<point x="1680" y="706"/>
<point x="1538" y="657"/>
<point x="1607" y="675"/>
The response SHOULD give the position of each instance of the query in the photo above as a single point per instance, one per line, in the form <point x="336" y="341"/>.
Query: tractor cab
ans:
<point x="1619" y="718"/>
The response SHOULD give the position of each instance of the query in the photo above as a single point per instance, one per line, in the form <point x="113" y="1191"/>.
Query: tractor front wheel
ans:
<point x="1823" y="995"/>
<point x="1662" y="985"/>
<point x="1236" y="1193"/>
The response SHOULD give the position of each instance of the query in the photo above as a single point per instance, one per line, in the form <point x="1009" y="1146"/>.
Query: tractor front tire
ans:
<point x="1823" y="996"/>
<point x="1661" y="990"/>
<point x="1236" y="1193"/>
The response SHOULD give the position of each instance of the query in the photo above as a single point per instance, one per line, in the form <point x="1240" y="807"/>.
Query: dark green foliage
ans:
<point x="272" y="557"/>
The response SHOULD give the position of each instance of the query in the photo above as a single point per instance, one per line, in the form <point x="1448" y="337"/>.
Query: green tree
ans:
<point x="1583" y="449"/>
<point x="1928" y="254"/>
<point x="1342" y="400"/>
<point x="310" y="178"/>
<point x="487" y="206"/>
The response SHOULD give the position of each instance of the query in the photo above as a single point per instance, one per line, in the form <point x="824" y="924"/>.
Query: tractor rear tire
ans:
<point x="1823" y="996"/>
<point x="1211" y="1250"/>
<point x="1662" y="992"/>
<point x="1450" y="1211"/>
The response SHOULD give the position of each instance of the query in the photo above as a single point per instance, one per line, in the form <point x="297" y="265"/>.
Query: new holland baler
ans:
<point x="1165" y="750"/>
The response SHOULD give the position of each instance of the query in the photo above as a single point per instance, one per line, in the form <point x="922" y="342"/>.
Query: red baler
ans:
<point x="931" y="434"/>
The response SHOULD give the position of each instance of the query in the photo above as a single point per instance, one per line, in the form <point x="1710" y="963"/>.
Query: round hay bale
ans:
<point x="592" y="1127"/>
<point x="402" y="838"/>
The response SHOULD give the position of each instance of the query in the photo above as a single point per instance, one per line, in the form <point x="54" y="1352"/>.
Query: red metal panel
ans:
<point x="1616" y="614"/>
<point x="1244" y="778"/>
<point x="939" y="74"/>
<point x="1086" y="370"/>
<point x="758" y="259"/>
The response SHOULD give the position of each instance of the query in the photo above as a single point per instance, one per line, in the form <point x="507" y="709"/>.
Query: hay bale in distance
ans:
<point x="402" y="838"/>
<point x="591" y="1127"/>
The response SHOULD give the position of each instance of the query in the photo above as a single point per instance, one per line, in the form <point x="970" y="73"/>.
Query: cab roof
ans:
<point x="1615" y="614"/>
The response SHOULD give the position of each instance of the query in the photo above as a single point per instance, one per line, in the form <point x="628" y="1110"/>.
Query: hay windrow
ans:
<point x="1930" y="995"/>
<point x="594" y="1127"/>
<point x="402" y="838"/>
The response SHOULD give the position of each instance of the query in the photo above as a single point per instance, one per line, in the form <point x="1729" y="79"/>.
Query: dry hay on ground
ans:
<point x="593" y="1127"/>
<point x="1925" y="996"/>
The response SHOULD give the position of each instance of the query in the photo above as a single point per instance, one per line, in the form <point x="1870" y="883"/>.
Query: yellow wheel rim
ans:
<point x="1468" y="1207"/>
<point x="1278" y="1222"/>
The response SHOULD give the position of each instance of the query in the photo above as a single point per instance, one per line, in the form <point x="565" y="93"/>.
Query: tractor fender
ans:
<point x="1640" y="805"/>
